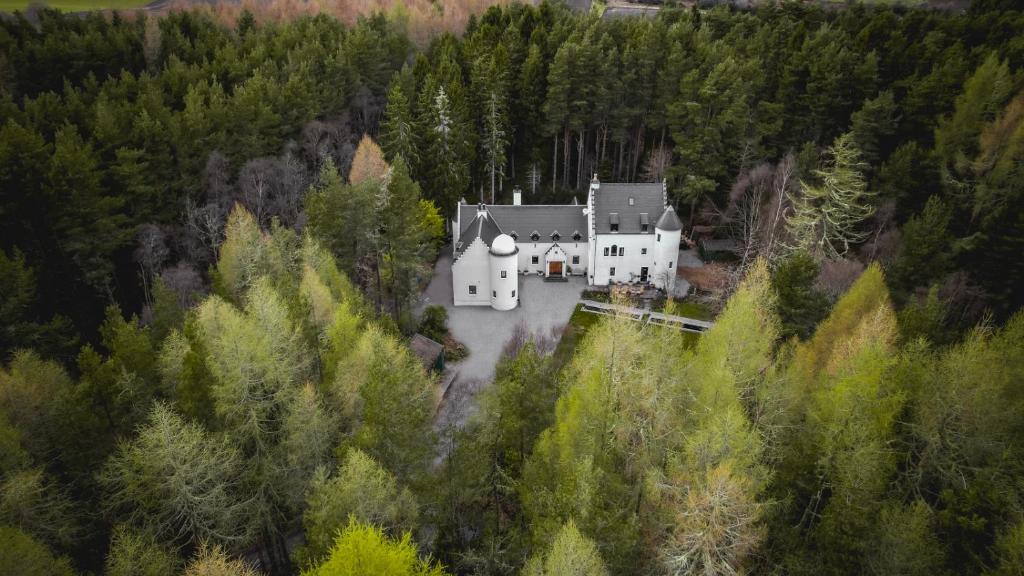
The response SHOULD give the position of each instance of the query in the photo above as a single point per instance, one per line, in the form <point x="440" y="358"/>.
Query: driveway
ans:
<point x="544" y="307"/>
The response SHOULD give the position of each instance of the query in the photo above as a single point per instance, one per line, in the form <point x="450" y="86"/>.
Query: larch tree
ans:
<point x="177" y="482"/>
<point x="364" y="550"/>
<point x="360" y="488"/>
<point x="570" y="554"/>
<point x="827" y="215"/>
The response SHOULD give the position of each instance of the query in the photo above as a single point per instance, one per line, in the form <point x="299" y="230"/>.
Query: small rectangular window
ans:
<point x="612" y="273"/>
<point x="643" y="227"/>
<point x="513" y="293"/>
<point x="504" y="274"/>
<point x="575" y="259"/>
<point x="615" y="227"/>
<point x="605" y="250"/>
<point x="670" y="265"/>
<point x="472" y="289"/>
<point x="533" y="260"/>
<point x="659" y="237"/>
<point x="494" y="293"/>
<point x="643" y="251"/>
<point x="622" y="250"/>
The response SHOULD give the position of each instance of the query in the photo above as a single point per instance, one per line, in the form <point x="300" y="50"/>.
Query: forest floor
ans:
<point x="544" y="310"/>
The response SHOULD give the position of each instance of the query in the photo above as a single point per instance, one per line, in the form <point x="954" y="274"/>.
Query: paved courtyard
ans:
<point x="543" y="307"/>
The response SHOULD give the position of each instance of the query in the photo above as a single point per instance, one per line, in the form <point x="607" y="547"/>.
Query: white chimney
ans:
<point x="517" y="197"/>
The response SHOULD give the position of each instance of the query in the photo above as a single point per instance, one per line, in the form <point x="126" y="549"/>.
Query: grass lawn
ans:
<point x="693" y="310"/>
<point x="74" y="5"/>
<point x="579" y="323"/>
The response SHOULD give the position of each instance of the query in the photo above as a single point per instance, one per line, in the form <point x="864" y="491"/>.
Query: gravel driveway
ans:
<point x="543" y="306"/>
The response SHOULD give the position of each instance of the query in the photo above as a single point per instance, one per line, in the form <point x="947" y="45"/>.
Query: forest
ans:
<point x="213" y="236"/>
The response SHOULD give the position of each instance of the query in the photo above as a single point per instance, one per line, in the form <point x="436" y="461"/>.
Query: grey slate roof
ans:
<point x="525" y="219"/>
<point x="669" y="221"/>
<point x="614" y="198"/>
<point x="479" y="227"/>
<point x="425" y="349"/>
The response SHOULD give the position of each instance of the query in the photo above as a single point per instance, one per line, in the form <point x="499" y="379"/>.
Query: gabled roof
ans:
<point x="482" y="227"/>
<point x="528" y="218"/>
<point x="612" y="203"/>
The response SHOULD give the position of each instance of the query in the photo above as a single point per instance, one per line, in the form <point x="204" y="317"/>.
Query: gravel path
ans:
<point x="544" y="307"/>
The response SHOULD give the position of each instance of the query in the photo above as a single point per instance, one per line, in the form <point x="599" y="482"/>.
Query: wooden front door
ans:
<point x="554" y="268"/>
<point x="643" y="274"/>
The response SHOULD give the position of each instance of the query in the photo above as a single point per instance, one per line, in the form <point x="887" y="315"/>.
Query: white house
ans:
<point x="626" y="233"/>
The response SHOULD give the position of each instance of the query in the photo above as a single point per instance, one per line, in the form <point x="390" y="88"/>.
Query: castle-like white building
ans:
<point x="626" y="233"/>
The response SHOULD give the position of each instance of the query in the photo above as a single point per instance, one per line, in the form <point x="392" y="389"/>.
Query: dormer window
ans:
<point x="613" y="221"/>
<point x="514" y="235"/>
<point x="577" y="236"/>
<point x="644" y="222"/>
<point x="555" y="236"/>
<point x="630" y="200"/>
<point x="535" y="236"/>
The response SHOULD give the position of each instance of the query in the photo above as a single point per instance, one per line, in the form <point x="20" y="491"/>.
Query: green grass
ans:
<point x="74" y="5"/>
<point x="579" y="323"/>
<point x="693" y="310"/>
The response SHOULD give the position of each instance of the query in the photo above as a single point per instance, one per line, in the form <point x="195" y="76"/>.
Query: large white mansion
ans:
<point x="626" y="233"/>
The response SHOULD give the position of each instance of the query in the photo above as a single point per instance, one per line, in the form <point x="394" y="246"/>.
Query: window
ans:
<point x="494" y="293"/>
<point x="643" y="251"/>
<point x="643" y="227"/>
<point x="504" y="274"/>
<point x="576" y="236"/>
<point x="556" y="236"/>
<point x="472" y="289"/>
<point x="615" y="227"/>
<point x="605" y="250"/>
<point x="615" y="249"/>
<point x="575" y="259"/>
<point x="622" y="250"/>
<point x="535" y="236"/>
<point x="612" y="273"/>
<point x="514" y="236"/>
<point x="659" y="237"/>
<point x="670" y="265"/>
<point x="533" y="260"/>
<point x="513" y="293"/>
<point x="630" y="200"/>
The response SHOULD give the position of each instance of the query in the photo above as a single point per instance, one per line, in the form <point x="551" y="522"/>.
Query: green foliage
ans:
<point x="20" y="554"/>
<point x="571" y="553"/>
<point x="434" y="323"/>
<point x="362" y="490"/>
<point x="138" y="553"/>
<point x="801" y="306"/>
<point x="18" y="328"/>
<point x="388" y="401"/>
<point x="177" y="482"/>
<point x="924" y="254"/>
<point x="364" y="550"/>
<point x="827" y="214"/>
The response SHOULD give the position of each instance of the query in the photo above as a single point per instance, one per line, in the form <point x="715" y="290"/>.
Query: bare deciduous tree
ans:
<point x="657" y="164"/>
<point x="150" y="253"/>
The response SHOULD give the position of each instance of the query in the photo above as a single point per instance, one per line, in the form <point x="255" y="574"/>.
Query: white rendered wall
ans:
<point x="666" y="251"/>
<point x="504" y="291"/>
<point x="627" y="267"/>
<point x="527" y="250"/>
<point x="472" y="268"/>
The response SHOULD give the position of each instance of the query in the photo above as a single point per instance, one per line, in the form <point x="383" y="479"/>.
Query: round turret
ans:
<point x="666" y="248"/>
<point x="503" y="245"/>
<point x="504" y="273"/>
